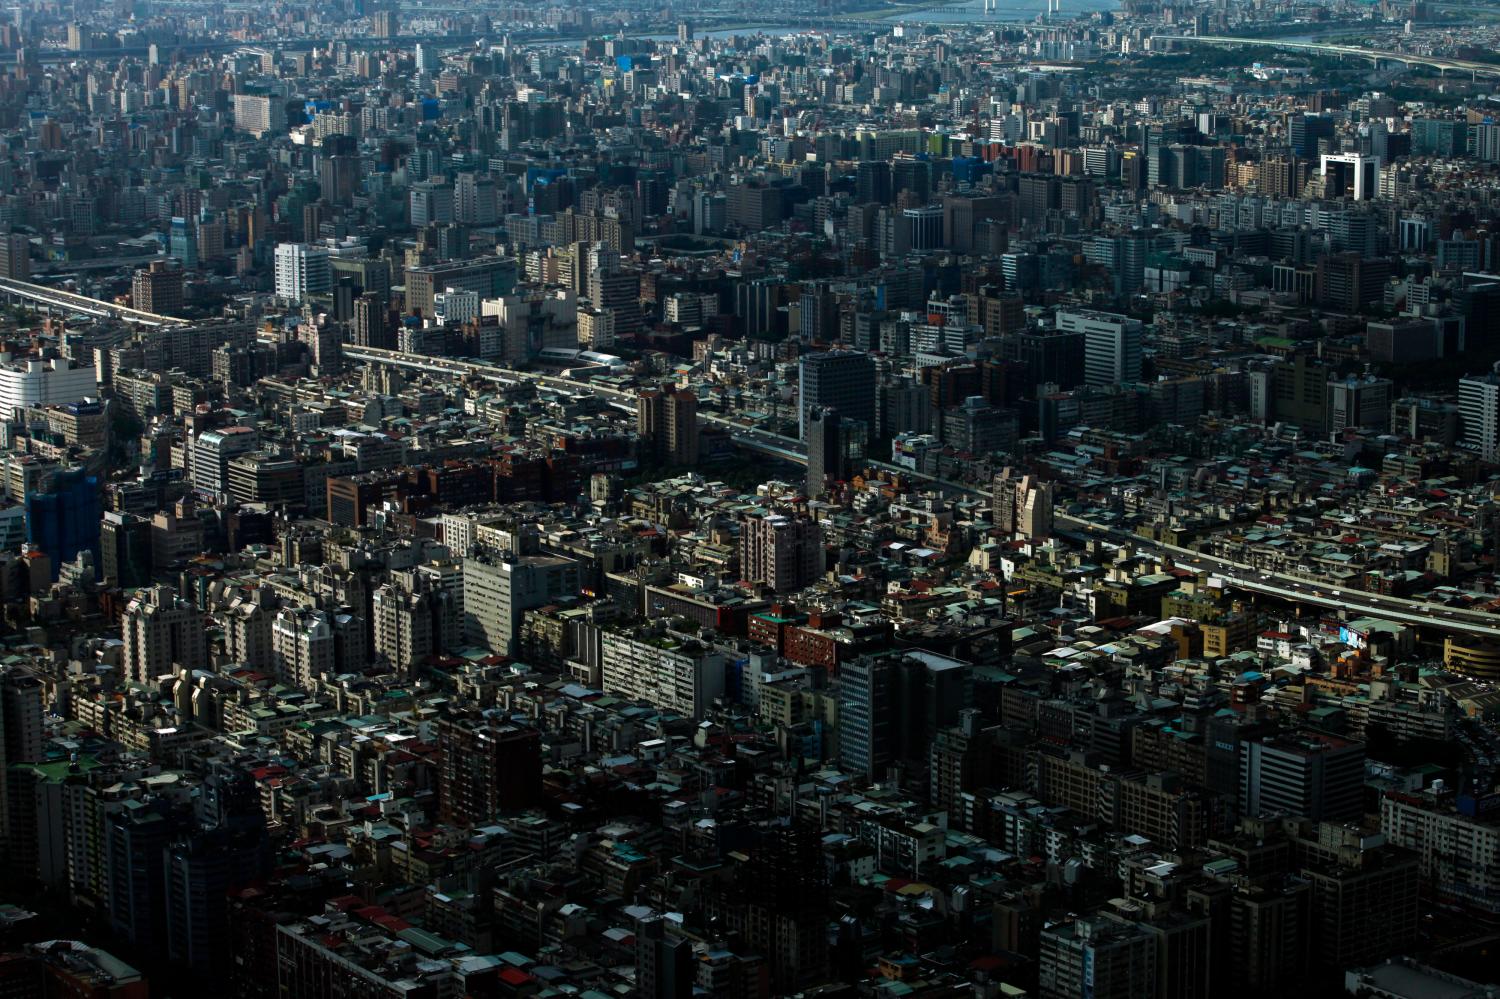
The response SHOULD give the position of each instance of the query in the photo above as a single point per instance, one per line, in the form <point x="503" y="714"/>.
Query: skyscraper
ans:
<point x="825" y="450"/>
<point x="1479" y="414"/>
<point x="840" y="379"/>
<point x="1111" y="345"/>
<point x="124" y="550"/>
<point x="302" y="270"/>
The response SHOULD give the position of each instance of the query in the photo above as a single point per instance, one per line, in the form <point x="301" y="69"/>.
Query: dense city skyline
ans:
<point x="843" y="499"/>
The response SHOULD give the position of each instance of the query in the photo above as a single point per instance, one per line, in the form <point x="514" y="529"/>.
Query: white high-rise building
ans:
<point x="302" y="270"/>
<point x="498" y="590"/>
<point x="35" y="382"/>
<point x="454" y="307"/>
<point x="1479" y="412"/>
<point x="212" y="452"/>
<point x="1111" y="345"/>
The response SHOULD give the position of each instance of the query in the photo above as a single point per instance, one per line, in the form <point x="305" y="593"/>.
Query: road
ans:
<point x="1244" y="577"/>
<point x="1327" y="48"/>
<point x="1353" y="603"/>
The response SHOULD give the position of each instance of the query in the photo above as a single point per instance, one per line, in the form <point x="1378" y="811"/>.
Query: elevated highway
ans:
<point x="68" y="302"/>
<point x="1376" y="56"/>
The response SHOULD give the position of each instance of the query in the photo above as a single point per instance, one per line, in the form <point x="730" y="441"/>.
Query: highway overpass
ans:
<point x="1376" y="56"/>
<point x="1244" y="577"/>
<point x="71" y="303"/>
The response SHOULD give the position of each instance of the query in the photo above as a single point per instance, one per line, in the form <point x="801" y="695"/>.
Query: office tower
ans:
<point x="1315" y="777"/>
<point x="1360" y="404"/>
<point x="125" y="550"/>
<point x="825" y="451"/>
<point x="184" y="242"/>
<point x="1350" y="175"/>
<point x="136" y="840"/>
<point x="872" y="180"/>
<point x="1305" y="131"/>
<point x="157" y="289"/>
<point x="487" y="769"/>
<point x="663" y="962"/>
<point x="259" y="114"/>
<point x="212" y="452"/>
<point x="782" y="551"/>
<point x="1111" y="345"/>
<point x="1097" y="959"/>
<point x="303" y="649"/>
<point x="489" y="277"/>
<point x="498" y="589"/>
<point x="339" y="178"/>
<point x="302" y="270"/>
<point x="431" y="202"/>
<point x="21" y="741"/>
<point x="866" y="698"/>
<point x="1479" y="414"/>
<point x="163" y="633"/>
<point x="1052" y="357"/>
<point x="837" y="379"/>
<point x="403" y="614"/>
<point x="892" y="707"/>
<point x="62" y="515"/>
<point x="15" y="256"/>
<point x="475" y="200"/>
<point x="228" y="850"/>
<point x="1350" y="281"/>
<point x="924" y="227"/>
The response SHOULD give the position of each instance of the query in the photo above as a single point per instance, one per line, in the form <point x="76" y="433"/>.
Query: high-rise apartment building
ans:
<point x="783" y="551"/>
<point x="1479" y="414"/>
<point x="1097" y="959"/>
<point x="15" y="256"/>
<point x="162" y="633"/>
<point x="487" y="769"/>
<point x="667" y="426"/>
<point x="302" y="646"/>
<point x="157" y="289"/>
